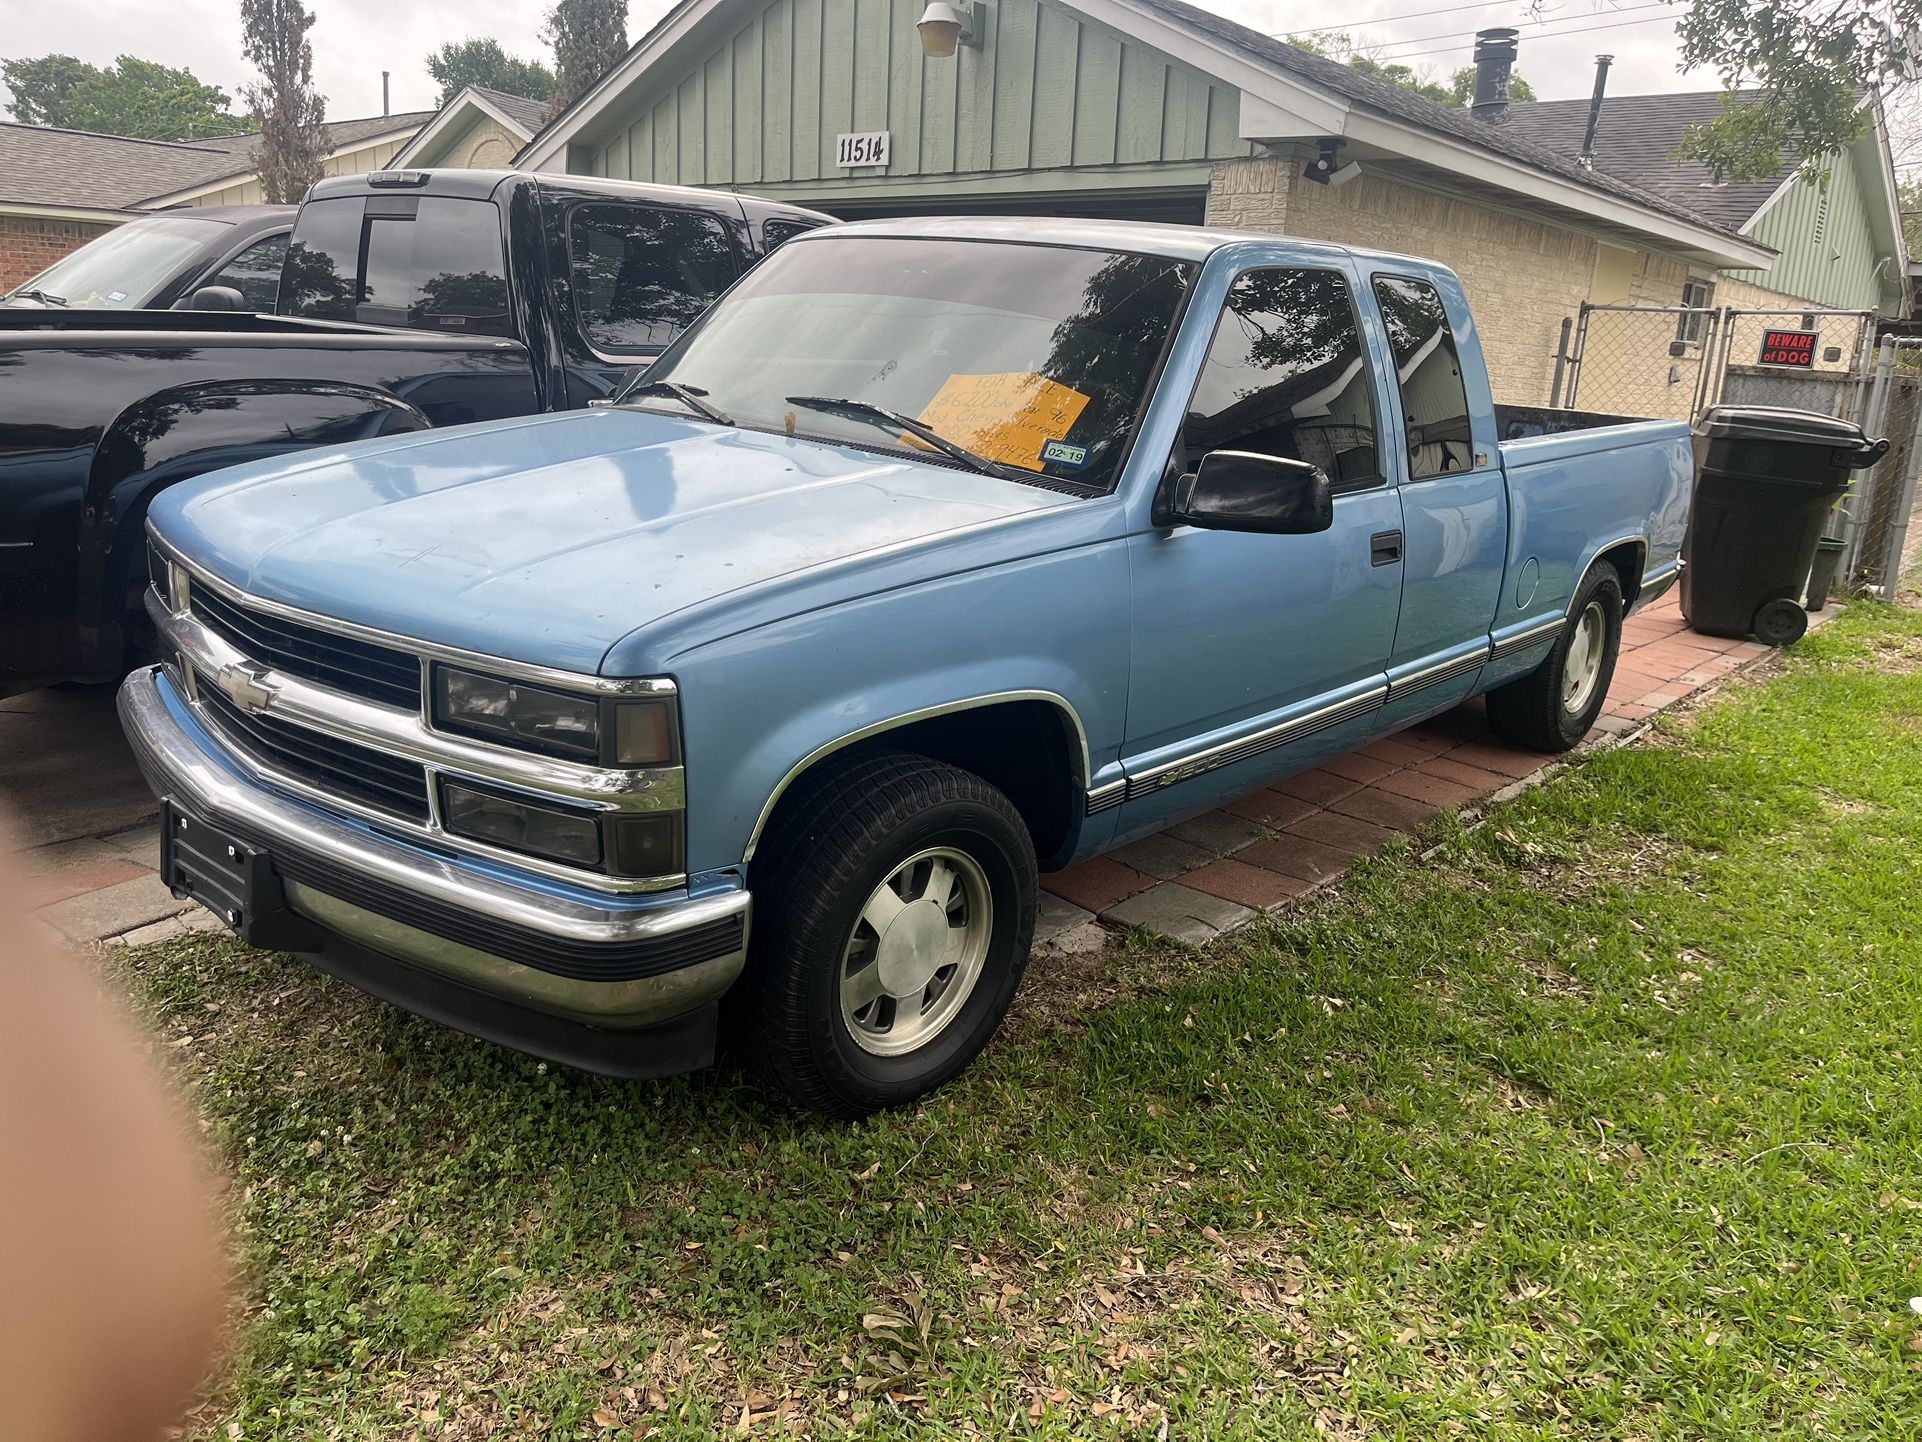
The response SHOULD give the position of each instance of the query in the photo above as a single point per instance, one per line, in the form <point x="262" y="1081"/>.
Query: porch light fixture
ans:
<point x="943" y="28"/>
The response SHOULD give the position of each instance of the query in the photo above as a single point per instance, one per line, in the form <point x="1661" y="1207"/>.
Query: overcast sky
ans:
<point x="354" y="39"/>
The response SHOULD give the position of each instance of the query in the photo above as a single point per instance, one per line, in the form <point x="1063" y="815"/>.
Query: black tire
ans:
<point x="1530" y="711"/>
<point x="839" y="835"/>
<point x="1780" y="622"/>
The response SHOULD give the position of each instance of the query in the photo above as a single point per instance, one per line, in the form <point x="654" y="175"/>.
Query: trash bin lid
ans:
<point x="1779" y="423"/>
<point x="1848" y="443"/>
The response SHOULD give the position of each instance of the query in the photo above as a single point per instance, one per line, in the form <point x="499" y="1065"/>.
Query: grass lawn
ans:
<point x="1604" y="1121"/>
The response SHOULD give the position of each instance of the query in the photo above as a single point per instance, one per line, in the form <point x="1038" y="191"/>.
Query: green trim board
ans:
<point x="1052" y="93"/>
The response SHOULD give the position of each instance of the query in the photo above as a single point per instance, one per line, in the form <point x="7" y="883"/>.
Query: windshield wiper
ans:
<point x="689" y="396"/>
<point x="920" y="430"/>
<point x="43" y="296"/>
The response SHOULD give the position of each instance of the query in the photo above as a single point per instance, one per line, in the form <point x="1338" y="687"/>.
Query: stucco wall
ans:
<point x="485" y="145"/>
<point x="28" y="247"/>
<point x="1522" y="277"/>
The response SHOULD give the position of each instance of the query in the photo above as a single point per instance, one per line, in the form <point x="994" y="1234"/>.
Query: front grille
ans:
<point x="341" y="768"/>
<point x="158" y="574"/>
<point x="360" y="668"/>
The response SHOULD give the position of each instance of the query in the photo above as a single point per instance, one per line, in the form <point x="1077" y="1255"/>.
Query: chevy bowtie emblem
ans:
<point x="246" y="686"/>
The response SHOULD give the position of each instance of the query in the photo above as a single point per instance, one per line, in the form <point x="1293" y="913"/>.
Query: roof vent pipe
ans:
<point x="1494" y="68"/>
<point x="1587" y="158"/>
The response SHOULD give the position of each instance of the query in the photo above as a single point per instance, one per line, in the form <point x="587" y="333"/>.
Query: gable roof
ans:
<point x="528" y="115"/>
<point x="79" y="170"/>
<point x="1507" y="139"/>
<point x="1635" y="141"/>
<point x="1289" y="95"/>
<point x="517" y="114"/>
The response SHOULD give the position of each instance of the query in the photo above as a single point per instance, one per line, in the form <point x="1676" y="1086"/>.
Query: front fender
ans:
<point x="760" y="706"/>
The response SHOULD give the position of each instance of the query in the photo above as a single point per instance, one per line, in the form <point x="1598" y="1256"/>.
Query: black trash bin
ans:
<point x="1765" y="482"/>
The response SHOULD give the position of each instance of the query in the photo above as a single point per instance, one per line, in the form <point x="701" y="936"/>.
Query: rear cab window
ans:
<point x="420" y="262"/>
<point x="1286" y="376"/>
<point x="255" y="273"/>
<point x="641" y="274"/>
<point x="1428" y="375"/>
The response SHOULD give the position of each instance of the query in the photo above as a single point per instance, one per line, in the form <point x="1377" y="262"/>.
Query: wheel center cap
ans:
<point x="913" y="948"/>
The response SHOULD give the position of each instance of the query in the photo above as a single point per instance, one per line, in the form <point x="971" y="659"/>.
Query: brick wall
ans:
<point x="1521" y="276"/>
<point x="28" y="247"/>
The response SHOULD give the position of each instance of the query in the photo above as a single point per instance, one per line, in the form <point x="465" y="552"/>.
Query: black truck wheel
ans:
<point x="894" y="901"/>
<point x="1553" y="706"/>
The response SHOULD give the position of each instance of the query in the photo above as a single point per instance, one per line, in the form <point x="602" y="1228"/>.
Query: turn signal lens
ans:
<point x="643" y="733"/>
<point x="648" y="844"/>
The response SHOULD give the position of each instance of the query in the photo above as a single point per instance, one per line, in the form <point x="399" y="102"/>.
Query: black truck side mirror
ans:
<point x="1241" y="491"/>
<point x="217" y="297"/>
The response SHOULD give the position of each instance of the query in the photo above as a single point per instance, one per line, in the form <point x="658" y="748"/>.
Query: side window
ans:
<point x="1428" y="371"/>
<point x="1285" y="376"/>
<point x="255" y="272"/>
<point x="776" y="233"/>
<point x="641" y="275"/>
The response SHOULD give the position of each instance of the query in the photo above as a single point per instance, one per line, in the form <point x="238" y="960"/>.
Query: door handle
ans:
<point x="1384" y="548"/>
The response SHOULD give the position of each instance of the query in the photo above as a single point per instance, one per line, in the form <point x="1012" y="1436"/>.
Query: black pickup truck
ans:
<point x="407" y="300"/>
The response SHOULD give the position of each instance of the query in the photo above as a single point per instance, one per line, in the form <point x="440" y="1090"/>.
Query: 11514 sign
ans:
<point x="868" y="148"/>
<point x="1789" y="348"/>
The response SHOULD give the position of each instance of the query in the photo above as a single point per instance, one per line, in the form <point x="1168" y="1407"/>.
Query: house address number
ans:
<point x="868" y="148"/>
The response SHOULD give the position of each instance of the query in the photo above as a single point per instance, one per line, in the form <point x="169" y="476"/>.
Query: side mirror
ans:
<point x="217" y="297"/>
<point x="1240" y="491"/>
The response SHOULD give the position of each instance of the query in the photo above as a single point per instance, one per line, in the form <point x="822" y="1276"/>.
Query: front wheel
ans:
<point x="894" y="907"/>
<point x="1553" y="707"/>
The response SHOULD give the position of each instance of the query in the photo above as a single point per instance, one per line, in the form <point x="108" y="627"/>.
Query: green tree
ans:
<point x="287" y="109"/>
<point x="1818" y="66"/>
<point x="130" y="97"/>
<point x="41" y="86"/>
<point x="1456" y="94"/>
<point x="461" y="63"/>
<point x="587" y="36"/>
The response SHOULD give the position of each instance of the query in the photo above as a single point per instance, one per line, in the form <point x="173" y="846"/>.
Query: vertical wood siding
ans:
<point x="1827" y="244"/>
<point x="1051" y="90"/>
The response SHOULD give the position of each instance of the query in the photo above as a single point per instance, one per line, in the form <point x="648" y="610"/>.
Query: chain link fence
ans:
<point x="1674" y="362"/>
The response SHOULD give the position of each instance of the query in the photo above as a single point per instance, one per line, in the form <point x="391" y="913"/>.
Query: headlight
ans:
<point x="559" y="834"/>
<point x="637" y="845"/>
<point x="605" y="731"/>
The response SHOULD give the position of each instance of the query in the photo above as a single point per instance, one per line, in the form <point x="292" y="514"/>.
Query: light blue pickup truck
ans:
<point x="937" y="554"/>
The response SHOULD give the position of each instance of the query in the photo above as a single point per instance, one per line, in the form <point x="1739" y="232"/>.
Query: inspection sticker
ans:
<point x="1060" y="453"/>
<point x="1008" y="416"/>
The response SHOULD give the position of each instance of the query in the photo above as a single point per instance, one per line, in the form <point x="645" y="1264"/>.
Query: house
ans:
<point x="1136" y="108"/>
<point x="60" y="189"/>
<point x="1837" y="234"/>
<point x="479" y="128"/>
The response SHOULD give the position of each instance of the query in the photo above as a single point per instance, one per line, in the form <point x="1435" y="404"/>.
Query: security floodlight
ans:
<point x="943" y="28"/>
<point x="1325" y="168"/>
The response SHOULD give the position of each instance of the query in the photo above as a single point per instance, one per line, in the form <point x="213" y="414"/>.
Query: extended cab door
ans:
<point x="638" y="275"/>
<point x="1454" y="506"/>
<point x="1248" y="648"/>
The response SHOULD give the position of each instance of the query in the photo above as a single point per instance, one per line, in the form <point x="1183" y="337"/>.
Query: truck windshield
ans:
<point x="124" y="268"/>
<point x="426" y="263"/>
<point x="1036" y="358"/>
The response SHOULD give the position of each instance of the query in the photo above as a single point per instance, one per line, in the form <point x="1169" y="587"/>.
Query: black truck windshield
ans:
<point x="426" y="263"/>
<point x="1036" y="358"/>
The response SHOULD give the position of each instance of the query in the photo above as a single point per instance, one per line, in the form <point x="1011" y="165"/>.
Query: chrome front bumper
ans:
<point x="604" y="961"/>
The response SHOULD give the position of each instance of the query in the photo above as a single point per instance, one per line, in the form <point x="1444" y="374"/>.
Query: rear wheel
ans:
<point x="1554" y="706"/>
<point x="1780" y="622"/>
<point x="894" y="906"/>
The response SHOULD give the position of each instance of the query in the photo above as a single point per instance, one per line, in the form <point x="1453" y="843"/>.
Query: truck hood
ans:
<point x="548" y="540"/>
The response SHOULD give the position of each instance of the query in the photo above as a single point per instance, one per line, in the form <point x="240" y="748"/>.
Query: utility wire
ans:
<point x="1551" y="35"/>
<point x="1452" y="34"/>
<point x="1389" y="19"/>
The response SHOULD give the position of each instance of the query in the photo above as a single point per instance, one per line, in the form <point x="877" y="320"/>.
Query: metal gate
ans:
<point x="1673" y="362"/>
